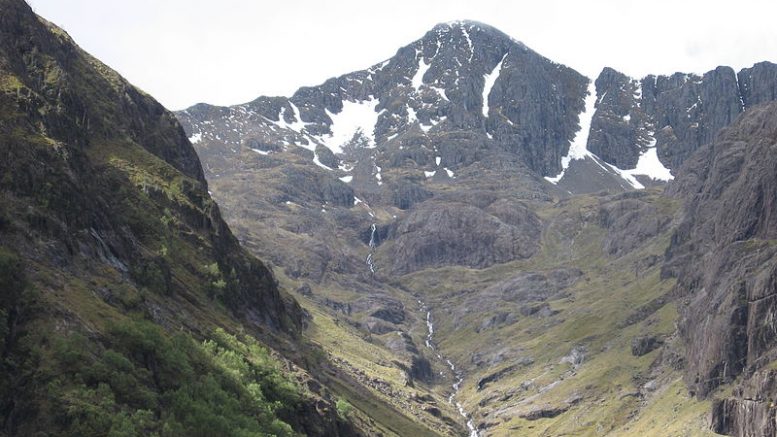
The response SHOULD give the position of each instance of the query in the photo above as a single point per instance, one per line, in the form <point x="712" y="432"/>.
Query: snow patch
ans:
<point x="347" y="179"/>
<point x="195" y="138"/>
<point x="440" y="92"/>
<point x="261" y="152"/>
<point x="469" y="42"/>
<point x="423" y="67"/>
<point x="648" y="165"/>
<point x="319" y="163"/>
<point x="412" y="116"/>
<point x="450" y="173"/>
<point x="429" y="174"/>
<point x="297" y="125"/>
<point x="354" y="118"/>
<point x="579" y="147"/>
<point x="489" y="81"/>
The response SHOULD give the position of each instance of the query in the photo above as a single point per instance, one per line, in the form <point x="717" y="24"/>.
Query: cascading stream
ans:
<point x="457" y="376"/>
<point x="370" y="262"/>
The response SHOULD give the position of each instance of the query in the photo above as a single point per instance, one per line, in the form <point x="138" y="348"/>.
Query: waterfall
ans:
<point x="373" y="228"/>
<point x="457" y="376"/>
<point x="370" y="262"/>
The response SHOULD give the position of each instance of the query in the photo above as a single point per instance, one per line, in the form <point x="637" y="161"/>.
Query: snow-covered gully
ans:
<point x="458" y="377"/>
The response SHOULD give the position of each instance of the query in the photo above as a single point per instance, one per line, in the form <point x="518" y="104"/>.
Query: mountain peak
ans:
<point x="471" y="34"/>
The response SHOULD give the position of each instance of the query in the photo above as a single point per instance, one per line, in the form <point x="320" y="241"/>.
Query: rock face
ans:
<point x="724" y="260"/>
<point x="677" y="114"/>
<point x="438" y="234"/>
<point x="751" y="413"/>
<point x="644" y="345"/>
<point x="630" y="222"/>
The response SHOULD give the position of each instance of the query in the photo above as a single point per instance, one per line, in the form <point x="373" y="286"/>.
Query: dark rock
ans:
<point x="758" y="84"/>
<point x="752" y="412"/>
<point x="643" y="345"/>
<point x="527" y="287"/>
<point x="406" y="194"/>
<point x="496" y="376"/>
<point x="305" y="290"/>
<point x="316" y="186"/>
<point x="391" y="314"/>
<point x="326" y="157"/>
<point x="434" y="411"/>
<point x="630" y="223"/>
<point x="379" y="327"/>
<point x="544" y="412"/>
<point x="421" y="370"/>
<point x="341" y="307"/>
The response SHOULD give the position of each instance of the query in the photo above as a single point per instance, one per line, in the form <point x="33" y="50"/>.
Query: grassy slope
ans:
<point x="592" y="316"/>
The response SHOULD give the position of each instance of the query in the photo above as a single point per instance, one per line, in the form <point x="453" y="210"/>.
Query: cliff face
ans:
<point x="723" y="256"/>
<point x="678" y="113"/>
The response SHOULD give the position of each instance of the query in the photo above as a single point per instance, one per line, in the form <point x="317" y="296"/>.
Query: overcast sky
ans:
<point x="232" y="51"/>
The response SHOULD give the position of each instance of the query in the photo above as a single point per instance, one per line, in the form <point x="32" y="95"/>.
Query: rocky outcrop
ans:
<point x="643" y="345"/>
<point x="631" y="221"/>
<point x="758" y="84"/>
<point x="528" y="287"/>
<point x="436" y="234"/>
<point x="751" y="412"/>
<point x="724" y="260"/>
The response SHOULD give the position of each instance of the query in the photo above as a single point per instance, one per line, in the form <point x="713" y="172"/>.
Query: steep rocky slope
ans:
<point x="723" y="255"/>
<point x="127" y="307"/>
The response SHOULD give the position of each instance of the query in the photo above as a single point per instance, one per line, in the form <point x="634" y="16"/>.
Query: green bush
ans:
<point x="146" y="382"/>
<point x="344" y="408"/>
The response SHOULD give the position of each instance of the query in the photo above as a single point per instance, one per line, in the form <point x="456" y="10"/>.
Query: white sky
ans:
<point x="232" y="51"/>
